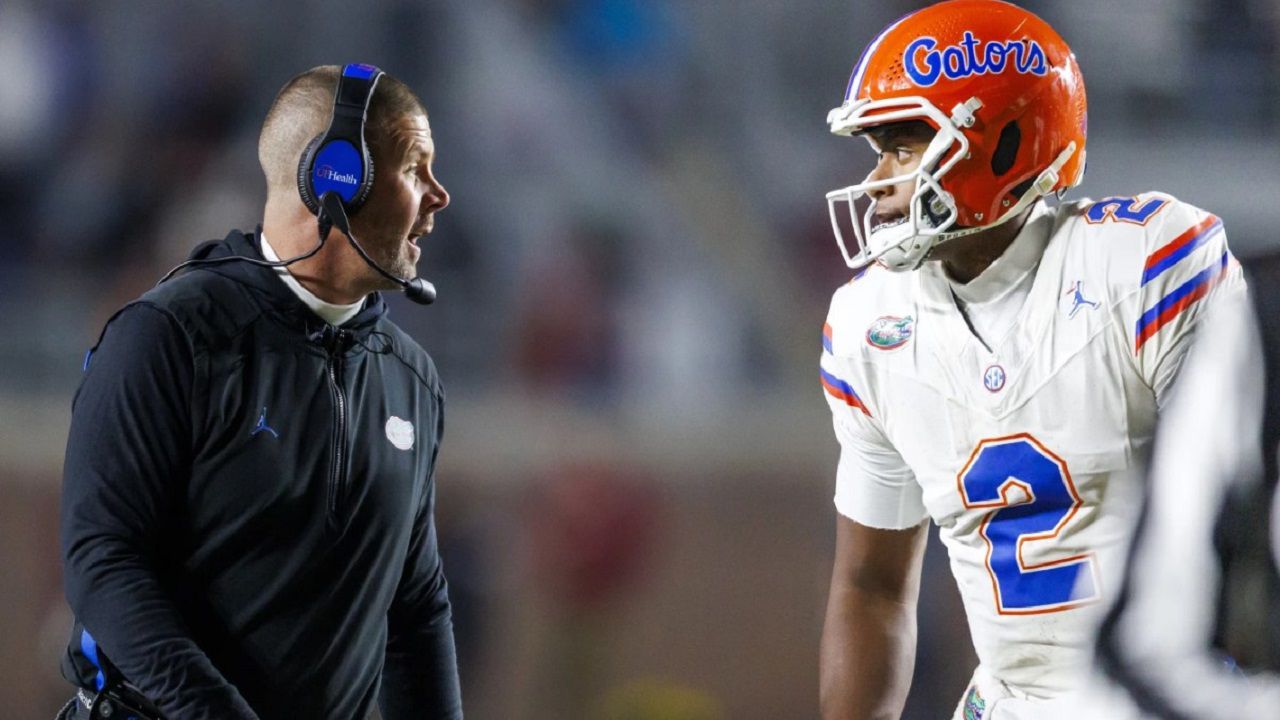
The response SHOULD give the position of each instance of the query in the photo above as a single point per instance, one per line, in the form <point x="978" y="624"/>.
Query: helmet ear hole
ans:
<point x="935" y="210"/>
<point x="1006" y="149"/>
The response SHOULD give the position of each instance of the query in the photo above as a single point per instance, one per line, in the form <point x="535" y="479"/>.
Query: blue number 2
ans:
<point x="1124" y="209"/>
<point x="1046" y="504"/>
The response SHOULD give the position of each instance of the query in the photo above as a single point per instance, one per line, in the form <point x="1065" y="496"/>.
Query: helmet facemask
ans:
<point x="904" y="245"/>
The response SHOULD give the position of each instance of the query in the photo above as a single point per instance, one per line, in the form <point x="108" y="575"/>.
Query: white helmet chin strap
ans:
<point x="905" y="245"/>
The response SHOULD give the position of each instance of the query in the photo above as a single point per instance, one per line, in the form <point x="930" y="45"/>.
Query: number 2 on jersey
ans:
<point x="1124" y="209"/>
<point x="1047" y="504"/>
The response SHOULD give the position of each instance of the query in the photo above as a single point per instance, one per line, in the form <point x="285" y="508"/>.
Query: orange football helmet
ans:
<point x="1007" y="99"/>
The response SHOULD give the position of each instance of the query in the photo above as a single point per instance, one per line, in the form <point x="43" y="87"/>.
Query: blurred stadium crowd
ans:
<point x="634" y="495"/>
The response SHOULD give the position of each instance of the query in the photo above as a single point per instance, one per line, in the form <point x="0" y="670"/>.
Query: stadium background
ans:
<point x="635" y="485"/>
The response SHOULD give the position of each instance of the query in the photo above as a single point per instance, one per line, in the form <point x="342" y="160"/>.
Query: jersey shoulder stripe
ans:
<point x="842" y="391"/>
<point x="1180" y="247"/>
<point x="1161" y="258"/>
<point x="1178" y="300"/>
<point x="837" y="388"/>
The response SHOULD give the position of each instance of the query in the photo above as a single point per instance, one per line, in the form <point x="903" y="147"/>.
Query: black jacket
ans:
<point x="247" y="504"/>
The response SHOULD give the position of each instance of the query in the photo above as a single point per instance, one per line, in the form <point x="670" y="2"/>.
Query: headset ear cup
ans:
<point x="366" y="186"/>
<point x="305" y="188"/>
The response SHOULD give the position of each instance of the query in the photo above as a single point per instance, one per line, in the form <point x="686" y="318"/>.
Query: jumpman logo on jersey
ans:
<point x="1079" y="300"/>
<point x="262" y="425"/>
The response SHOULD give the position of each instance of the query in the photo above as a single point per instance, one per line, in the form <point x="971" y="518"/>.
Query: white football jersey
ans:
<point x="1009" y="442"/>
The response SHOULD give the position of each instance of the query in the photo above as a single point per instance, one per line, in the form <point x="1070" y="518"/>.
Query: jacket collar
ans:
<point x="271" y="289"/>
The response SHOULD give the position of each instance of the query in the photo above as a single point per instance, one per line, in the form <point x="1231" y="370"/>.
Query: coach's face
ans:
<point x="405" y="198"/>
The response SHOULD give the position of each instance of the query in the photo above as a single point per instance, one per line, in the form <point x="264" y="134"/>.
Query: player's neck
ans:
<point x="966" y="258"/>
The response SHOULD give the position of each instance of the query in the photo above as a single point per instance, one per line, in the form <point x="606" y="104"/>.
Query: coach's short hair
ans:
<point x="302" y="109"/>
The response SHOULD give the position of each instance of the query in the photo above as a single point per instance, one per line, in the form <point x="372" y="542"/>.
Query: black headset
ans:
<point x="335" y="175"/>
<point x="338" y="160"/>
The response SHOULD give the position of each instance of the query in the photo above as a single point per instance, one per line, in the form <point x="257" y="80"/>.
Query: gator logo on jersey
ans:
<point x="974" y="705"/>
<point x="890" y="331"/>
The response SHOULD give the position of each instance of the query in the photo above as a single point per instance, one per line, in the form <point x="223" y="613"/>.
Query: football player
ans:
<point x="996" y="363"/>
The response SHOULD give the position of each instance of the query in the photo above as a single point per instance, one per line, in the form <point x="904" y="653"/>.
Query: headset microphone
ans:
<point x="333" y="214"/>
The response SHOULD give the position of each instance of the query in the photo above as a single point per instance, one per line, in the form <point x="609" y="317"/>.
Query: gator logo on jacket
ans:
<point x="400" y="432"/>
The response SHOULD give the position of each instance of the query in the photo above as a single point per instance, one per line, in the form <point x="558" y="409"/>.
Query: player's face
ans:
<point x="899" y="148"/>
<point x="405" y="198"/>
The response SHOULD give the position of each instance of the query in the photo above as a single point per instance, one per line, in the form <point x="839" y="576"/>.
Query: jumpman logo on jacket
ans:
<point x="262" y="424"/>
<point x="1079" y="300"/>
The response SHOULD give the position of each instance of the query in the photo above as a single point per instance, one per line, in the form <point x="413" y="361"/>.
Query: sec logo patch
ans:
<point x="993" y="378"/>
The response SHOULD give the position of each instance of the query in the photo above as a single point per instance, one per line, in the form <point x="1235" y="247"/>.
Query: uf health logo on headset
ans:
<point x="924" y="63"/>
<point x="326" y="172"/>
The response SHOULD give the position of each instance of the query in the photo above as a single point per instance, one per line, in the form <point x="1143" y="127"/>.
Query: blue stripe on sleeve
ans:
<point x="1183" y="290"/>
<point x="1152" y="272"/>
<point x="89" y="647"/>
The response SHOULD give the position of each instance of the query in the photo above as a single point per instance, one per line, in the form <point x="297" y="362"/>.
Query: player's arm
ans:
<point x="869" y="637"/>
<point x="127" y="452"/>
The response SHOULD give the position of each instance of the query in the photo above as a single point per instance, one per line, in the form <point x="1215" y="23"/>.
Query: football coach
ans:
<point x="248" y="493"/>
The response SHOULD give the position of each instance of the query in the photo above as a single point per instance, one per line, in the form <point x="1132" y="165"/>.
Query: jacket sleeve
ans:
<point x="420" y="677"/>
<point x="127" y="452"/>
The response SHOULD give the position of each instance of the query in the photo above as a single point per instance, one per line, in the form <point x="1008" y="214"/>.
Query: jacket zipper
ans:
<point x="337" y="474"/>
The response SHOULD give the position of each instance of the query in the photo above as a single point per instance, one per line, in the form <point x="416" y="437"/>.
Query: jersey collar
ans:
<point x="1014" y="266"/>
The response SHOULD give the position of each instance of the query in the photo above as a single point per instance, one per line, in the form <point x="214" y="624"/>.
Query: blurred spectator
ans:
<point x="566" y="323"/>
